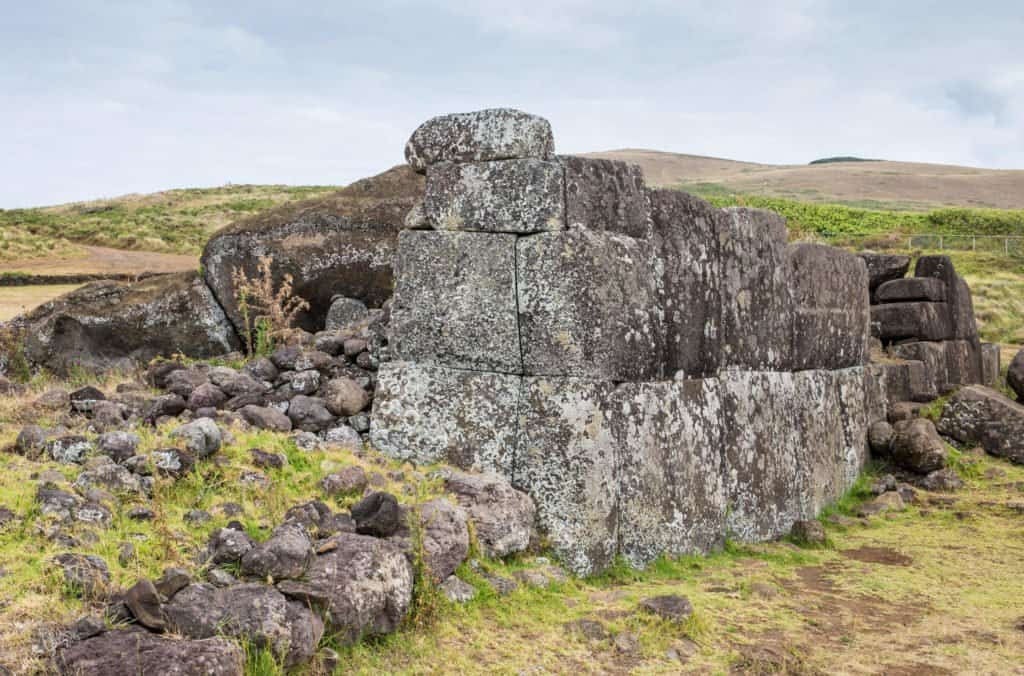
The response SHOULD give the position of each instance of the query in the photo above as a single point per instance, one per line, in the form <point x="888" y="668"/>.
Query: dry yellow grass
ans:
<point x="16" y="300"/>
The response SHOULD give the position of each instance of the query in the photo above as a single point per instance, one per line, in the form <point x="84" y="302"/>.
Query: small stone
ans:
<point x="219" y="577"/>
<point x="377" y="514"/>
<point x="197" y="517"/>
<point x="360" y="423"/>
<point x="945" y="480"/>
<point x="228" y="545"/>
<point x="344" y="436"/>
<point x="202" y="437"/>
<point x="349" y="480"/>
<point x="206" y="396"/>
<point x="887" y="502"/>
<point x="880" y="436"/>
<point x="172" y="581"/>
<point x="256" y="479"/>
<point x="54" y="400"/>
<point x="885" y="484"/>
<point x="626" y="643"/>
<point x="344" y="312"/>
<point x="87" y="627"/>
<point x="125" y="553"/>
<point x="267" y="460"/>
<point x="6" y="517"/>
<point x="502" y="586"/>
<point x="31" y="441"/>
<point x="118" y="445"/>
<point x="265" y="418"/>
<point x="306" y="441"/>
<point x="808" y="532"/>
<point x="589" y="629"/>
<point x="671" y="607"/>
<point x="353" y="346"/>
<point x="165" y="405"/>
<point x="83" y="400"/>
<point x="458" y="591"/>
<point x="69" y="449"/>
<point x="140" y="513"/>
<point x="309" y="414"/>
<point x="87" y="575"/>
<point x="172" y="462"/>
<point x="144" y="602"/>
<point x="345" y="397"/>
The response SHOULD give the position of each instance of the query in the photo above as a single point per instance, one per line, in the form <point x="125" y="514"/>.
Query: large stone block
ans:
<point x="978" y="415"/>
<point x="590" y="305"/>
<point x="858" y="401"/>
<point x="688" y="229"/>
<point x="606" y="195"/>
<point x="958" y="294"/>
<point x="912" y="288"/>
<point x="918" y="319"/>
<point x="883" y="268"/>
<point x="990" y="357"/>
<point x="433" y="414"/>
<point x="933" y="356"/>
<point x="568" y="464"/>
<point x="817" y="432"/>
<point x="762" y="458"/>
<point x="876" y="399"/>
<point x="519" y="196"/>
<point x="757" y="300"/>
<point x="671" y="495"/>
<point x="963" y="362"/>
<point x="482" y="135"/>
<point x="455" y="301"/>
<point x="831" y="308"/>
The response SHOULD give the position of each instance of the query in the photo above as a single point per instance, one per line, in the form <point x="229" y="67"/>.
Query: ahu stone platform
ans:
<point x="657" y="373"/>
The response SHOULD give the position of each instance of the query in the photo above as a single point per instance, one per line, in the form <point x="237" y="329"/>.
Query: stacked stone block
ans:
<point x="655" y="372"/>
<point x="928" y="321"/>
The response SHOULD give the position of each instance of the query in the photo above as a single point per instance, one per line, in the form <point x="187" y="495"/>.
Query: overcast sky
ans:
<point x="103" y="97"/>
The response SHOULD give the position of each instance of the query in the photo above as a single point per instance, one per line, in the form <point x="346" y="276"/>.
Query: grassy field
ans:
<point x="173" y="221"/>
<point x="932" y="590"/>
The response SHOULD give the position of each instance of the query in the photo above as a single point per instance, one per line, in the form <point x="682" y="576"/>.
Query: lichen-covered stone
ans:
<point x="979" y="415"/>
<point x="757" y="299"/>
<point x="831" y="311"/>
<point x="590" y="305"/>
<point x="342" y="244"/>
<point x="922" y="320"/>
<point x="482" y="135"/>
<point x="912" y="288"/>
<point x="455" y="301"/>
<point x="687" y="228"/>
<point x="670" y="494"/>
<point x="990" y="357"/>
<point x="567" y="463"/>
<point x="606" y="195"/>
<point x="130" y="652"/>
<point x="433" y="414"/>
<point x="119" y="324"/>
<point x="517" y="196"/>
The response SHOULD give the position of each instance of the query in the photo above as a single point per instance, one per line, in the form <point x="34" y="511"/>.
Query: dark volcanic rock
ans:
<point x="341" y="244"/>
<point x="912" y="288"/>
<point x="364" y="584"/>
<point x="85" y="575"/>
<point x="132" y="652"/>
<point x="309" y="414"/>
<point x="883" y="268"/>
<point x="958" y="294"/>
<point x="670" y="607"/>
<point x="143" y="601"/>
<point x="377" y="514"/>
<point x="107" y="324"/>
<point x="980" y="415"/>
<point x="1015" y="375"/>
<point x="266" y="418"/>
<point x="917" y="319"/>
<point x="606" y="195"/>
<point x="502" y="516"/>
<point x="917" y="447"/>
<point x="285" y="555"/>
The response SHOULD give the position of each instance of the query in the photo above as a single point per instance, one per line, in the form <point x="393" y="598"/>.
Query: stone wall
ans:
<point x="657" y="373"/>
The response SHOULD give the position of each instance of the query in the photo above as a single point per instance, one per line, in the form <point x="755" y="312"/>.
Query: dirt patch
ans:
<point x="882" y="555"/>
<point x="915" y="669"/>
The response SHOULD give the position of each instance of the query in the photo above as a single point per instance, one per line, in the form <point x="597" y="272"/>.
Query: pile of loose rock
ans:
<point x="913" y="446"/>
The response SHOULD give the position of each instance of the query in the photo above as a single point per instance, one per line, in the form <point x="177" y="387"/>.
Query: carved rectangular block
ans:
<point x="518" y="196"/>
<point x="590" y="306"/>
<point x="455" y="301"/>
<point x="606" y="195"/>
<point x="433" y="414"/>
<point x="918" y="319"/>
<point x="990" y="364"/>
<point x="933" y="356"/>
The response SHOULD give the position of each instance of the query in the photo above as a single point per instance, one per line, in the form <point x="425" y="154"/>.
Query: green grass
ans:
<point x="175" y="221"/>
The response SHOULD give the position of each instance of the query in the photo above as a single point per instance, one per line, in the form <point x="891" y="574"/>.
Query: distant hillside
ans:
<point x="869" y="184"/>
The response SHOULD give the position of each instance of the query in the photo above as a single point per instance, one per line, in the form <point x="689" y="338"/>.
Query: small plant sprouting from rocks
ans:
<point x="426" y="596"/>
<point x="12" y="354"/>
<point x="268" y="311"/>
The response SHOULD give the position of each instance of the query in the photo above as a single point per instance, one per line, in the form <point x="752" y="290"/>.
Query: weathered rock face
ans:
<point x="688" y="229"/>
<point x="484" y="135"/>
<point x="958" y="294"/>
<point x="883" y="268"/>
<point x="990" y="368"/>
<point x="831" y="320"/>
<point x="933" y="356"/>
<point x="590" y="306"/>
<point x="606" y="195"/>
<point x="757" y="300"/>
<point x="455" y="301"/>
<point x="130" y="652"/>
<point x="108" y="324"/>
<point x="502" y="516"/>
<point x="912" y="288"/>
<point x="339" y="245"/>
<point x="979" y="415"/>
<point x="916" y="319"/>
<point x="1015" y="375"/>
<point x="520" y="196"/>
<point x="917" y="447"/>
<point x="433" y="414"/>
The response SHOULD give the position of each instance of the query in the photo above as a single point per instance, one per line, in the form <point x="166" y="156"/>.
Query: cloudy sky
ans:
<point x="105" y="97"/>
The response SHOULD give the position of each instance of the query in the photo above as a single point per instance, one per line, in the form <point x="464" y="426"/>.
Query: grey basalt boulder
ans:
<point x="590" y="305"/>
<point x="345" y="397"/>
<point x="831" y="309"/>
<point x="253" y="612"/>
<point x="430" y="414"/>
<point x="503" y="517"/>
<point x="517" y="196"/>
<point x="309" y="414"/>
<point x="917" y="447"/>
<point x="482" y="135"/>
<point x="757" y="296"/>
<point x="688" y="228"/>
<point x="363" y="584"/>
<point x="118" y="445"/>
<point x="202" y="437"/>
<point x="1015" y="375"/>
<point x="130" y="652"/>
<point x="979" y="415"/>
<point x="284" y="555"/>
<point x="344" y="312"/>
<point x="608" y="195"/>
<point x="115" y="324"/>
<point x="443" y="532"/>
<point x="455" y="301"/>
<point x="265" y="418"/>
<point x="342" y="244"/>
